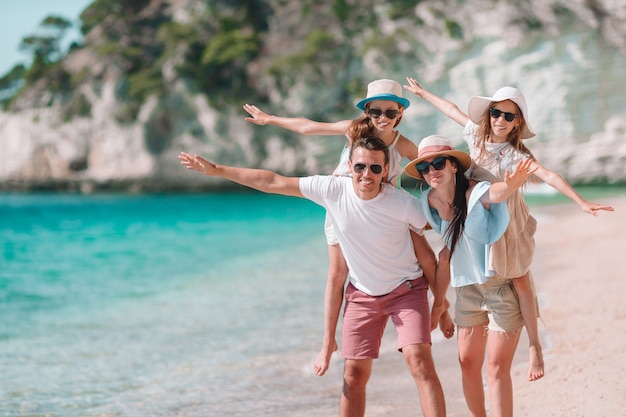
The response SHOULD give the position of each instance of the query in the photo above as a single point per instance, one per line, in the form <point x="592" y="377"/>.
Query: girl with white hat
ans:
<point x="494" y="130"/>
<point x="382" y="109"/>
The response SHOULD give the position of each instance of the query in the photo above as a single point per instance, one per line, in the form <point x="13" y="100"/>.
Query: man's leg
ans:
<point x="420" y="361"/>
<point x="356" y="373"/>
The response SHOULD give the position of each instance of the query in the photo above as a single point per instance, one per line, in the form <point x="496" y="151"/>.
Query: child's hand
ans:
<point x="592" y="208"/>
<point x="414" y="87"/>
<point x="523" y="170"/>
<point x="259" y="117"/>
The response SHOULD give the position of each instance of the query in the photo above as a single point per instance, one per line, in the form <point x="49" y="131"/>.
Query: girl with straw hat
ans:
<point x="471" y="216"/>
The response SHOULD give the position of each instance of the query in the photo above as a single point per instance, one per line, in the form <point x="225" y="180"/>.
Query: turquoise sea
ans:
<point x="163" y="305"/>
<point x="116" y="305"/>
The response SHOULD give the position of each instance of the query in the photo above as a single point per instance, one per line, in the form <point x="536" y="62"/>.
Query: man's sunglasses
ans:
<point x="495" y="113"/>
<point x="375" y="168"/>
<point x="376" y="113"/>
<point x="438" y="163"/>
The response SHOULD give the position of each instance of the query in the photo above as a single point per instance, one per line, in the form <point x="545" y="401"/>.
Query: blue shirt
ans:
<point x="470" y="261"/>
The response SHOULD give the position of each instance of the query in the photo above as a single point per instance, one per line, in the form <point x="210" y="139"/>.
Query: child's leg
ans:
<point x="333" y="298"/>
<point x="528" y="306"/>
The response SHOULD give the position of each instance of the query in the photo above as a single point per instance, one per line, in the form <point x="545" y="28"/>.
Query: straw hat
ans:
<point x="384" y="90"/>
<point x="478" y="106"/>
<point x="433" y="146"/>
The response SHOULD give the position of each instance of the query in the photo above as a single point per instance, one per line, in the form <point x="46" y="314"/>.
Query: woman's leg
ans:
<point x="333" y="298"/>
<point x="500" y="351"/>
<point x="472" y="342"/>
<point x="528" y="305"/>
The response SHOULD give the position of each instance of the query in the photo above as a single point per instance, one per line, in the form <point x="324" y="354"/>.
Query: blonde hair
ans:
<point x="514" y="138"/>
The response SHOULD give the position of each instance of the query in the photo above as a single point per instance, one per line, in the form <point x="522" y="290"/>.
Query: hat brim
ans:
<point x="387" y="97"/>
<point x="477" y="109"/>
<point x="463" y="157"/>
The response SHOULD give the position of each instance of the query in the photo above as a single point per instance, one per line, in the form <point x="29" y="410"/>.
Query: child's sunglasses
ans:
<point x="376" y="113"/>
<point x="495" y="113"/>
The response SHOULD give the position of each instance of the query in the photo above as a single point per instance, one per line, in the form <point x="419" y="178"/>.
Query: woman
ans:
<point x="470" y="216"/>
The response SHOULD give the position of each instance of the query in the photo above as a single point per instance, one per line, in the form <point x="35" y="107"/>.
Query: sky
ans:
<point x="21" y="18"/>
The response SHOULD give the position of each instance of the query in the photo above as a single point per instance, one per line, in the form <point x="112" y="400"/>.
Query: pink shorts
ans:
<point x="365" y="318"/>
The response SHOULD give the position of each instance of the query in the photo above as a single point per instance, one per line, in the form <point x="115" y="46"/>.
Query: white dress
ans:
<point x="512" y="255"/>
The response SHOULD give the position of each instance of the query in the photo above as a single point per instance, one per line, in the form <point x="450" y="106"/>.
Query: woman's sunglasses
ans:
<point x="495" y="113"/>
<point x="376" y="113"/>
<point x="438" y="163"/>
<point x="375" y="168"/>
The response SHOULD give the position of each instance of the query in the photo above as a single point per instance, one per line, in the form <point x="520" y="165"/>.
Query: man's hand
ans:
<point x="196" y="163"/>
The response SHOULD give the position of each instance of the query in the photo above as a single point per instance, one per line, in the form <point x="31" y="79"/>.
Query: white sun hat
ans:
<point x="478" y="106"/>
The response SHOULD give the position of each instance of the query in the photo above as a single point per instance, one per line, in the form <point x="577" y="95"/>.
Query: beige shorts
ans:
<point x="494" y="302"/>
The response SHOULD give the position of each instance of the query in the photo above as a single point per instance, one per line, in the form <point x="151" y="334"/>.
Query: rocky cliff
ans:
<point x="154" y="77"/>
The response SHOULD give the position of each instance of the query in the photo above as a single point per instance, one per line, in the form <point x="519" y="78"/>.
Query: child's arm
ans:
<point x="296" y="124"/>
<point x="445" y="106"/>
<point x="407" y="148"/>
<point x="558" y="182"/>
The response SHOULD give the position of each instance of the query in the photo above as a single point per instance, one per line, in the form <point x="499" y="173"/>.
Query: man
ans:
<point x="372" y="221"/>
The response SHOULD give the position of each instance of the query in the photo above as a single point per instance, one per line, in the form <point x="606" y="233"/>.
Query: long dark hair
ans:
<point x="459" y="207"/>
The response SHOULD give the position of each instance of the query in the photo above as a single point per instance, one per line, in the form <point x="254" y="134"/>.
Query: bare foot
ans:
<point x="446" y="324"/>
<point x="535" y="369"/>
<point x="320" y="366"/>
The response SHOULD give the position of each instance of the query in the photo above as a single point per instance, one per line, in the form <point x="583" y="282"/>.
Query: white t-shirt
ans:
<point x="373" y="234"/>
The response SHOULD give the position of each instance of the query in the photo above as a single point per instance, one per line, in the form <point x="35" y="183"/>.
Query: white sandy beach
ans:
<point x="580" y="275"/>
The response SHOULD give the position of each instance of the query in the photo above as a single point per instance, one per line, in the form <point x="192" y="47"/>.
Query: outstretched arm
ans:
<point x="500" y="191"/>
<point x="296" y="124"/>
<point x="562" y="186"/>
<point x="259" y="179"/>
<point x="445" y="106"/>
